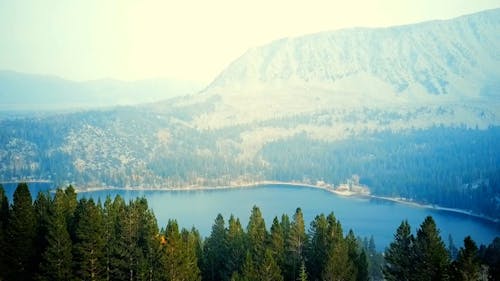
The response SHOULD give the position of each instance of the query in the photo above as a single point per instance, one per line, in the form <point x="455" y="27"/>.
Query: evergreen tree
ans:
<point x="303" y="273"/>
<point x="88" y="247"/>
<point x="318" y="247"/>
<point x="249" y="272"/>
<point x="269" y="269"/>
<point x="257" y="236"/>
<point x="236" y="246"/>
<point x="57" y="259"/>
<point x="41" y="206"/>
<point x="467" y="267"/>
<point x="190" y="241"/>
<point x="20" y="238"/>
<point x="399" y="255"/>
<point x="352" y="252"/>
<point x="147" y="242"/>
<point x="362" y="267"/>
<point x="375" y="260"/>
<point x="432" y="258"/>
<point x="295" y="245"/>
<point x="277" y="243"/>
<point x="491" y="257"/>
<point x="4" y="216"/>
<point x="109" y="234"/>
<point x="215" y="252"/>
<point x="338" y="266"/>
<point x="179" y="262"/>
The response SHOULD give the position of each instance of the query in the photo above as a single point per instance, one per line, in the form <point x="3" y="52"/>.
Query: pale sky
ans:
<point x="184" y="39"/>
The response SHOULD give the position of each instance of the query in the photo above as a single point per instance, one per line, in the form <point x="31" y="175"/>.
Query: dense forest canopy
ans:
<point x="57" y="237"/>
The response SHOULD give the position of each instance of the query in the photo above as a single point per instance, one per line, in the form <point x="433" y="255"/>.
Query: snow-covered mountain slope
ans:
<point x="454" y="64"/>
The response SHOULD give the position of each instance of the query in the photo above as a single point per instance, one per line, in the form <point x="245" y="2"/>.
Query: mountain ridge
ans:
<point x="332" y="55"/>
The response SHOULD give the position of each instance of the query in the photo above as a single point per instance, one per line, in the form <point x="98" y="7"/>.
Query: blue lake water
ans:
<point x="366" y="217"/>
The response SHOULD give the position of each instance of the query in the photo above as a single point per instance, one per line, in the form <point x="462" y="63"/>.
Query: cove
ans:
<point x="365" y="216"/>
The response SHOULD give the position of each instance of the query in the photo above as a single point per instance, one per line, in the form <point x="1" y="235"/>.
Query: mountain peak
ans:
<point x="457" y="57"/>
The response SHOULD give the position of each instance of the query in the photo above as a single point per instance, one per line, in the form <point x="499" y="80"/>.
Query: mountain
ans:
<point x="457" y="57"/>
<point x="409" y="111"/>
<point x="29" y="92"/>
<point x="452" y="62"/>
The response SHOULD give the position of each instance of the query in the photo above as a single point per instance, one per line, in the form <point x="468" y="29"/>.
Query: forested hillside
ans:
<point x="455" y="167"/>
<point x="57" y="237"/>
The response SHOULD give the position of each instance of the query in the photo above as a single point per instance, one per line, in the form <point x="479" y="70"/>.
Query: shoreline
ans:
<point x="325" y="187"/>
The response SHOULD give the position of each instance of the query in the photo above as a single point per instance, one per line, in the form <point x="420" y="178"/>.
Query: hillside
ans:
<point x="412" y="110"/>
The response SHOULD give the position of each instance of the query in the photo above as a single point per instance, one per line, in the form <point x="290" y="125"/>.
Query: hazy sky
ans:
<point x="185" y="39"/>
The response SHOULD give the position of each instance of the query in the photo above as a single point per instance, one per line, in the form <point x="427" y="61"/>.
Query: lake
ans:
<point x="366" y="217"/>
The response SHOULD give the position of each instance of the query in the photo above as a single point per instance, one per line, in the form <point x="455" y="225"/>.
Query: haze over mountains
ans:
<point x="412" y="110"/>
<point x="30" y="92"/>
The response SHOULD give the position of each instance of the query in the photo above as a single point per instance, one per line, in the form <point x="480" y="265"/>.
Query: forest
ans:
<point x="455" y="167"/>
<point x="57" y="237"/>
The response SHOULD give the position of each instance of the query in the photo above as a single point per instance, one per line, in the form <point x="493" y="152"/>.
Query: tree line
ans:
<point x="57" y="237"/>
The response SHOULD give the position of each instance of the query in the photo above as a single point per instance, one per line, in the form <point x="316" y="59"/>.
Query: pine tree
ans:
<point x="467" y="267"/>
<point x="318" y="247"/>
<point x="338" y="266"/>
<point x="257" y="236"/>
<point x="399" y="255"/>
<point x="190" y="241"/>
<point x="375" y="260"/>
<point x="269" y="269"/>
<point x="236" y="246"/>
<point x="4" y="216"/>
<point x="295" y="245"/>
<point x="215" y="252"/>
<point x="491" y="257"/>
<point x="277" y="243"/>
<point x="57" y="258"/>
<point x="88" y="247"/>
<point x="42" y="208"/>
<point x="249" y="272"/>
<point x="21" y="236"/>
<point x="147" y="242"/>
<point x="362" y="267"/>
<point x="352" y="252"/>
<point x="179" y="262"/>
<point x="432" y="259"/>
<point x="303" y="273"/>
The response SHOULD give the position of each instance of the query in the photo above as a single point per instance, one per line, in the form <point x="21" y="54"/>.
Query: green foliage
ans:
<point x="236" y="246"/>
<point x="319" y="245"/>
<point x="431" y="257"/>
<point x="257" y="236"/>
<point x="490" y="256"/>
<point x="84" y="240"/>
<point x="303" y="273"/>
<point x="88" y="247"/>
<point x="4" y="216"/>
<point x="400" y="255"/>
<point x="215" y="252"/>
<point x="467" y="266"/>
<point x="57" y="258"/>
<point x="277" y="243"/>
<point x="296" y="243"/>
<point x="20" y="241"/>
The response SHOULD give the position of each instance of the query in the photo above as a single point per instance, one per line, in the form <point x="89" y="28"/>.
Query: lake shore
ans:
<point x="325" y="187"/>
